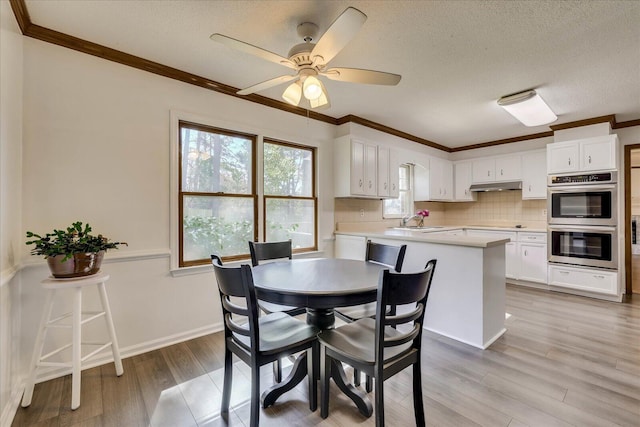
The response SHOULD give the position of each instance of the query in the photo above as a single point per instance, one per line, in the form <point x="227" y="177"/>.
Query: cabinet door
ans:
<point x="508" y="168"/>
<point x="533" y="262"/>
<point x="563" y="157"/>
<point x="350" y="247"/>
<point x="394" y="174"/>
<point x="462" y="181"/>
<point x="357" y="167"/>
<point x="440" y="179"/>
<point x="420" y="183"/>
<point x="370" y="170"/>
<point x="484" y="170"/>
<point x="534" y="175"/>
<point x="383" y="172"/>
<point x="598" y="154"/>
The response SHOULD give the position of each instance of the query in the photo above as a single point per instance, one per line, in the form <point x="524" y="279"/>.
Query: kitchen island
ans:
<point x="467" y="297"/>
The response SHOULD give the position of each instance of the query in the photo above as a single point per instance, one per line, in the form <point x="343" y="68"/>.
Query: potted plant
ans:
<point x="73" y="252"/>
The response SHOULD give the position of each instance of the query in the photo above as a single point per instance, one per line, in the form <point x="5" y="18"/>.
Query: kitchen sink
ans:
<point x="418" y="228"/>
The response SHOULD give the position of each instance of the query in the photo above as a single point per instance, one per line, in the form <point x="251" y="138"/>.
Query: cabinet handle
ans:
<point x="393" y="186"/>
<point x="589" y="159"/>
<point x="501" y="172"/>
<point x="529" y="188"/>
<point x="563" y="272"/>
<point x="466" y="192"/>
<point x="598" y="276"/>
<point x="488" y="173"/>
<point x="360" y="183"/>
<point x="370" y="184"/>
<point x="569" y="161"/>
<point x="526" y="253"/>
<point x="385" y="185"/>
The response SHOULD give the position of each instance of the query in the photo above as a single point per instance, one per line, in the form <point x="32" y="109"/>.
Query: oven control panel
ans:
<point x="592" y="178"/>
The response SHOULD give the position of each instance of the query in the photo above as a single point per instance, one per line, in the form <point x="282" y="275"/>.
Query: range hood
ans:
<point x="497" y="186"/>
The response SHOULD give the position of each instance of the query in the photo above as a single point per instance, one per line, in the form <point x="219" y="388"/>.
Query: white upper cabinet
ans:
<point x="495" y="169"/>
<point x="433" y="181"/>
<point x="462" y="179"/>
<point x="365" y="170"/>
<point x="534" y="175"/>
<point x="388" y="173"/>
<point x="585" y="155"/>
<point x="355" y="168"/>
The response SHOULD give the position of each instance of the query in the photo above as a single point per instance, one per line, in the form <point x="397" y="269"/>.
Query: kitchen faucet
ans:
<point x="406" y="219"/>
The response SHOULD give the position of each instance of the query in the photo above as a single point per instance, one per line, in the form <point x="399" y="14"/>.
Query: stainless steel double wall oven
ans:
<point x="583" y="217"/>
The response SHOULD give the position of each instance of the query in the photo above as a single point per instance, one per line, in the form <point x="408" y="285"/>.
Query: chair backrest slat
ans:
<point x="264" y="251"/>
<point x="391" y="256"/>
<point x="237" y="282"/>
<point x="401" y="289"/>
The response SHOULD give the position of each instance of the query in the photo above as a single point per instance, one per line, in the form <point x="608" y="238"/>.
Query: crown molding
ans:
<point x="38" y="32"/>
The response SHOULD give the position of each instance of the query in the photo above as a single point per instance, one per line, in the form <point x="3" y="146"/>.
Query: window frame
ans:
<point x="181" y="194"/>
<point x="313" y="197"/>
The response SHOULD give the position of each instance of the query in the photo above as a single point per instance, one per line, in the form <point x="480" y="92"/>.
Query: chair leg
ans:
<point x="325" y="373"/>
<point x="254" y="418"/>
<point x="277" y="371"/>
<point x="356" y="377"/>
<point x="226" y="388"/>
<point x="368" y="383"/>
<point x="312" y="361"/>
<point x="379" y="403"/>
<point x="418" y="405"/>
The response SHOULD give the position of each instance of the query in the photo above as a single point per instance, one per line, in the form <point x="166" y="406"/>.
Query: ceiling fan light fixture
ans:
<point x="322" y="100"/>
<point x="528" y="107"/>
<point x="293" y="93"/>
<point x="312" y="88"/>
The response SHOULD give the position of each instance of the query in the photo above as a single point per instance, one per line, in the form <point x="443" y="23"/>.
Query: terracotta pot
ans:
<point x="80" y="264"/>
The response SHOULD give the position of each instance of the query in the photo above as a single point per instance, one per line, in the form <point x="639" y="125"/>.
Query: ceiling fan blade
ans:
<point x="356" y="75"/>
<point x="340" y="32"/>
<point x="251" y="49"/>
<point x="266" y="84"/>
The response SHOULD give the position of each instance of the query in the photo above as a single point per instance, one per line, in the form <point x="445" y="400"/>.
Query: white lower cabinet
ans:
<point x="533" y="262"/>
<point x="584" y="279"/>
<point x="350" y="247"/>
<point x="512" y="260"/>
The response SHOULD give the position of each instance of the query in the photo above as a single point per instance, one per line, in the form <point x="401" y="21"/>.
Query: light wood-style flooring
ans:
<point x="564" y="361"/>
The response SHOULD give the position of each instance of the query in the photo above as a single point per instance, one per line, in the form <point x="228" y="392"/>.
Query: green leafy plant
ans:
<point x="75" y="239"/>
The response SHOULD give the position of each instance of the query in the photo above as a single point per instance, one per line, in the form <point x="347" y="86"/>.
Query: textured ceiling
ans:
<point x="456" y="58"/>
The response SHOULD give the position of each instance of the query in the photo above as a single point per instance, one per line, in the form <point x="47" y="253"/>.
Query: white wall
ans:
<point x="97" y="149"/>
<point x="10" y="208"/>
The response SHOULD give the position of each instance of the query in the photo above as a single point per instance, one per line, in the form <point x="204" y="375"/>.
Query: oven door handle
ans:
<point x="595" y="228"/>
<point x="574" y="188"/>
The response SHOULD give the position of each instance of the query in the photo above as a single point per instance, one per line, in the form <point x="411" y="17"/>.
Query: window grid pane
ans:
<point x="288" y="171"/>
<point x="290" y="219"/>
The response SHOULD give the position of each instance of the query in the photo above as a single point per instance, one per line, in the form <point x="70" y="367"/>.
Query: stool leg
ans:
<point x="37" y="349"/>
<point x="112" y="330"/>
<point x="76" y="358"/>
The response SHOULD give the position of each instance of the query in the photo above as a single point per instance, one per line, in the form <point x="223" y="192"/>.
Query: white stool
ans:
<point x="52" y="285"/>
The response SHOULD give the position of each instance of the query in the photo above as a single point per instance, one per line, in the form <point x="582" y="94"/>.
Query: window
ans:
<point x="403" y="205"/>
<point x="289" y="194"/>
<point x="217" y="197"/>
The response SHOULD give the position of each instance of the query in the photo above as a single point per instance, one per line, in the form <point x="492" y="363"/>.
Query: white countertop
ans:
<point x="435" y="235"/>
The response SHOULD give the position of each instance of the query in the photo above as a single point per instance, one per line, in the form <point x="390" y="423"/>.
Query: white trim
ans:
<point x="11" y="407"/>
<point x="120" y="257"/>
<point x="8" y="274"/>
<point x="482" y="346"/>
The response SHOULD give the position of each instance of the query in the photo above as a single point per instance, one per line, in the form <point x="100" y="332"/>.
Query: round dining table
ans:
<point x="319" y="285"/>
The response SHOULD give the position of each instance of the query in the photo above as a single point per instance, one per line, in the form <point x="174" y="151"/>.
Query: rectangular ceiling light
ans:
<point x="528" y="107"/>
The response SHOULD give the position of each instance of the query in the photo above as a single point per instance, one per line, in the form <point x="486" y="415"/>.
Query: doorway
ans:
<point x="632" y="218"/>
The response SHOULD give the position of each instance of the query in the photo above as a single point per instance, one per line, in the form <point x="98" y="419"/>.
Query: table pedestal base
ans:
<point x="322" y="318"/>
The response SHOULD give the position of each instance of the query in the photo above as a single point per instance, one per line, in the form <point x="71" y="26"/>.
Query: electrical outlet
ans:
<point x="544" y="213"/>
<point x="362" y="212"/>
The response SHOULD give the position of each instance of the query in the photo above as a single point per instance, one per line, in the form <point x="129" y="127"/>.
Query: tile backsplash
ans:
<point x="500" y="208"/>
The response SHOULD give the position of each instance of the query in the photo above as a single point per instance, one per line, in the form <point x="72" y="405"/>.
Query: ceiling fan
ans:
<point x="309" y="60"/>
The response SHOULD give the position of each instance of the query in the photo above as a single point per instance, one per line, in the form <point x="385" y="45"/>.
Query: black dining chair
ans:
<point x="390" y="256"/>
<point x="265" y="251"/>
<point x="258" y="340"/>
<point x="383" y="346"/>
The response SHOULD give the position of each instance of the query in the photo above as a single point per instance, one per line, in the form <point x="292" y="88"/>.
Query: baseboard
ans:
<point x="9" y="412"/>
